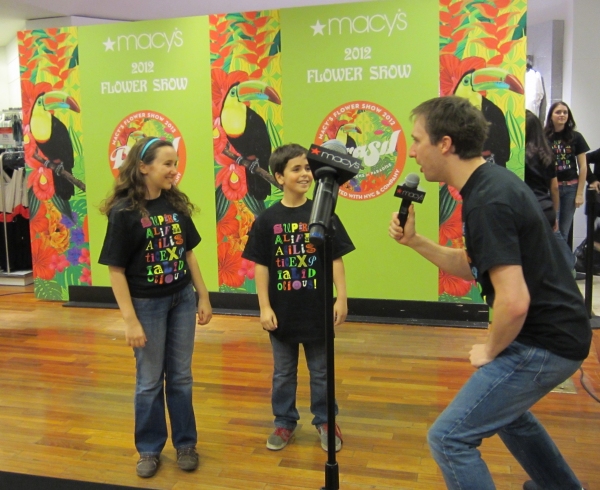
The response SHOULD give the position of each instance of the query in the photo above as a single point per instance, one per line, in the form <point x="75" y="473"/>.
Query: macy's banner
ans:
<point x="227" y="90"/>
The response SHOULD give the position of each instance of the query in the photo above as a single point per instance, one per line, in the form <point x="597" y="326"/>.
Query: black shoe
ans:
<point x="147" y="466"/>
<point x="187" y="458"/>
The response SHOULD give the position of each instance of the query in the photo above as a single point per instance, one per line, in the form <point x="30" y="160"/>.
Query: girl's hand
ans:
<point x="134" y="334"/>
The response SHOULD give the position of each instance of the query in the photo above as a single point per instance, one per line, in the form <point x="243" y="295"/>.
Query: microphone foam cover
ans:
<point x="337" y="146"/>
<point x="412" y="181"/>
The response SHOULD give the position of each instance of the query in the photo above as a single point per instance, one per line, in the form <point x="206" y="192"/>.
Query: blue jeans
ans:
<point x="285" y="382"/>
<point x="565" y="250"/>
<point x="566" y="210"/>
<point x="496" y="400"/>
<point x="164" y="366"/>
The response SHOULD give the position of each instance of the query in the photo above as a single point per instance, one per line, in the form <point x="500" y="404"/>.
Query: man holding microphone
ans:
<point x="540" y="333"/>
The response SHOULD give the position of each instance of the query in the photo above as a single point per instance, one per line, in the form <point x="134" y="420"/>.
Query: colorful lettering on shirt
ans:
<point x="295" y="257"/>
<point x="563" y="152"/>
<point x="164" y="251"/>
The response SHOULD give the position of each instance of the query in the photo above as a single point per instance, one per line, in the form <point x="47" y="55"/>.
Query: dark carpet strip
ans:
<point x="18" y="481"/>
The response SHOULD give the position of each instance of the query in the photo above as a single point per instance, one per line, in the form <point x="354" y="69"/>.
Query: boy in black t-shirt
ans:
<point x="289" y="273"/>
<point x="540" y="332"/>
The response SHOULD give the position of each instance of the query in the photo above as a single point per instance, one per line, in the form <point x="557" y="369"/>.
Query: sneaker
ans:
<point x="147" y="466"/>
<point x="187" y="458"/>
<point x="322" y="430"/>
<point x="280" y="438"/>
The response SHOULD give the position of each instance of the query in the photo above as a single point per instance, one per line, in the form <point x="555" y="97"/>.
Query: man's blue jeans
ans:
<point x="285" y="382"/>
<point x="496" y="400"/>
<point x="164" y="366"/>
<point x="566" y="210"/>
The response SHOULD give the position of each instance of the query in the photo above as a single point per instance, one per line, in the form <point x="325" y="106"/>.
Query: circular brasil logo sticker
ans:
<point x="140" y="125"/>
<point x="370" y="132"/>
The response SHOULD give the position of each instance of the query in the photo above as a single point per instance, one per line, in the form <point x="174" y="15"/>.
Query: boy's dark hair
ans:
<point x="457" y="118"/>
<point x="284" y="154"/>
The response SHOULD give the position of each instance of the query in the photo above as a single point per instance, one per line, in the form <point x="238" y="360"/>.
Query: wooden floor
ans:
<point x="66" y="391"/>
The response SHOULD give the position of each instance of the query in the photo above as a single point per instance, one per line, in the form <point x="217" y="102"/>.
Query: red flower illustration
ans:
<point x="40" y="223"/>
<point x="84" y="258"/>
<point x="373" y="182"/>
<point x="44" y="260"/>
<point x="60" y="262"/>
<point x="452" y="70"/>
<point x="41" y="180"/>
<point x="229" y="225"/>
<point x="229" y="264"/>
<point x="454" y="286"/>
<point x="232" y="180"/>
<point x="86" y="276"/>
<point x="452" y="227"/>
<point x="247" y="269"/>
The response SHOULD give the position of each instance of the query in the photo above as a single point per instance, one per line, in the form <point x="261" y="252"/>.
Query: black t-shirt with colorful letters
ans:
<point x="279" y="240"/>
<point x="151" y="248"/>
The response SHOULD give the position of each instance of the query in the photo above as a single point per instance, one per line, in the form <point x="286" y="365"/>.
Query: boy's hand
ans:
<point x="134" y="334"/>
<point x="340" y="312"/>
<point x="268" y="320"/>
<point x="204" y="311"/>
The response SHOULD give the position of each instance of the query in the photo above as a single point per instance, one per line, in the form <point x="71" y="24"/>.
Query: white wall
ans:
<point x="13" y="78"/>
<point x="583" y="90"/>
<point x="4" y="76"/>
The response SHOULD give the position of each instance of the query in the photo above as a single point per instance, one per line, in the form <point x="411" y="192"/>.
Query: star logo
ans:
<point x="109" y="45"/>
<point x="318" y="28"/>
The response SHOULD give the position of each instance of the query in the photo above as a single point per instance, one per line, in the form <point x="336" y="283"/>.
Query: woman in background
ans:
<point x="540" y="176"/>
<point x="569" y="147"/>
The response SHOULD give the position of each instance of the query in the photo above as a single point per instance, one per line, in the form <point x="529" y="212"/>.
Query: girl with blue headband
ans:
<point x="153" y="271"/>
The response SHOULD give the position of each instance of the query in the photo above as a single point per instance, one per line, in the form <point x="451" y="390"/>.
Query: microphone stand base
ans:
<point x="332" y="477"/>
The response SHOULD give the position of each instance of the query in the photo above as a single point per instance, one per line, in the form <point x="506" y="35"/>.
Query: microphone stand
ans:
<point x="332" y="474"/>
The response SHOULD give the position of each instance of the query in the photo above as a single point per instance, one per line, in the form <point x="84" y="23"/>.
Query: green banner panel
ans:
<point x="354" y="72"/>
<point x="148" y="79"/>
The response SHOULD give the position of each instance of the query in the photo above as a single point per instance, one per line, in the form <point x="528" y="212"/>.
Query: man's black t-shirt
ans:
<point x="279" y="240"/>
<point x="504" y="225"/>
<point x="152" y="248"/>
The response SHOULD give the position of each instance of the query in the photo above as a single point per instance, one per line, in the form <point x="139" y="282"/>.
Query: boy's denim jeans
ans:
<point x="164" y="366"/>
<point x="496" y="400"/>
<point x="285" y="382"/>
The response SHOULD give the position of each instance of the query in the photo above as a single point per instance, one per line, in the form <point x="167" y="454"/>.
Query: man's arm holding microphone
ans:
<point x="511" y="294"/>
<point x="452" y="260"/>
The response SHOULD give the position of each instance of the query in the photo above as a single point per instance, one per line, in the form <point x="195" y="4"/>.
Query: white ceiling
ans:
<point x="14" y="13"/>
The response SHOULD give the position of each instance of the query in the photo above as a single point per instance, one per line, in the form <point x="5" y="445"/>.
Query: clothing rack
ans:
<point x="8" y="277"/>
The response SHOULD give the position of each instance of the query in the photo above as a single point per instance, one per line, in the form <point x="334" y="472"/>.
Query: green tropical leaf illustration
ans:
<point x="521" y="30"/>
<point x="62" y="205"/>
<point x="255" y="206"/>
<point x="222" y="203"/>
<point x="34" y="202"/>
<point x="447" y="204"/>
<point x="44" y="289"/>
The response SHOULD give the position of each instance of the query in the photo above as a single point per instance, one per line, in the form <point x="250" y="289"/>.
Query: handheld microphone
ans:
<point x="409" y="193"/>
<point x="331" y="166"/>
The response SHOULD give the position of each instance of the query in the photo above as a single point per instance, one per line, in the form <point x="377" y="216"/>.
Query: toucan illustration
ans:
<point x="247" y="131"/>
<point x="340" y="130"/>
<point x="52" y="138"/>
<point x="471" y="86"/>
